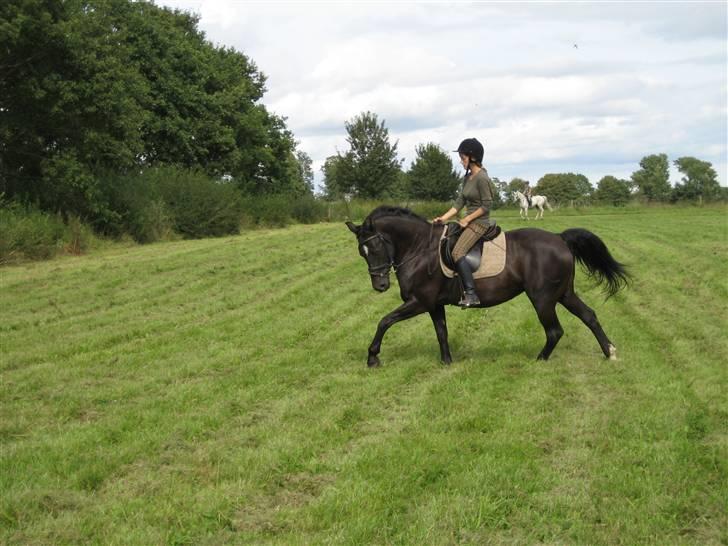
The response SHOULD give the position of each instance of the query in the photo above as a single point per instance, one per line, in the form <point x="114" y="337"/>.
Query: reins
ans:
<point x="384" y="268"/>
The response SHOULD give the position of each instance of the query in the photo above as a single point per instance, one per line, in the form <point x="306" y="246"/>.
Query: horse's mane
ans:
<point x="388" y="210"/>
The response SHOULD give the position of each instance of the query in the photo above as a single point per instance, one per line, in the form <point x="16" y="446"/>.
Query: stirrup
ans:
<point x="469" y="300"/>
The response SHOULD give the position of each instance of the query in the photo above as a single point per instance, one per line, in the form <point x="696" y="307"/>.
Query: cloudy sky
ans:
<point x="548" y="87"/>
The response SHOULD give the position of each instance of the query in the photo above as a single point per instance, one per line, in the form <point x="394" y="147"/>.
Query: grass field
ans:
<point x="216" y="392"/>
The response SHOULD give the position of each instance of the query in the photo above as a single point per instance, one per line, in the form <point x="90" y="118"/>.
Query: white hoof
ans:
<point x="612" y="352"/>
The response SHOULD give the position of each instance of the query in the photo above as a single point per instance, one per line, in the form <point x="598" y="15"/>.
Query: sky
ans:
<point x="588" y="87"/>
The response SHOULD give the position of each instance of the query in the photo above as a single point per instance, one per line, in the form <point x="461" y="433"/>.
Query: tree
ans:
<point x="517" y="184"/>
<point x="564" y="187"/>
<point x="700" y="181"/>
<point x="71" y="98"/>
<point x="305" y="171"/>
<point x="653" y="178"/>
<point x="372" y="164"/>
<point x="431" y="175"/>
<point x="97" y="86"/>
<point x="613" y="191"/>
<point x="335" y="183"/>
<point x="498" y="188"/>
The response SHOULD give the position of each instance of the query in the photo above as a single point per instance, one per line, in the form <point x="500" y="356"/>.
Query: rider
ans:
<point x="475" y="195"/>
<point x="527" y="193"/>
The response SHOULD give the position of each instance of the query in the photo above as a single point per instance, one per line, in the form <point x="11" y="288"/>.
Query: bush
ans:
<point x="79" y="237"/>
<point x="308" y="210"/>
<point x="267" y="210"/>
<point x="26" y="233"/>
<point x="164" y="201"/>
<point x="198" y="206"/>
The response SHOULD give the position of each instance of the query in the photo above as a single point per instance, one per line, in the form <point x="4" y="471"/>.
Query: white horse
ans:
<point x="536" y="201"/>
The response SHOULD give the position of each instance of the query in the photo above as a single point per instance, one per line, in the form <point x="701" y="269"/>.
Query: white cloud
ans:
<point x="564" y="87"/>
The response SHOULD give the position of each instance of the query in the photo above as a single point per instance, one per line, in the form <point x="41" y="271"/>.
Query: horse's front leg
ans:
<point x="438" y="319"/>
<point x="408" y="309"/>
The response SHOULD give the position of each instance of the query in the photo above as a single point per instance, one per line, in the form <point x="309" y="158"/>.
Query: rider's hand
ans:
<point x="437" y="220"/>
<point x="463" y="223"/>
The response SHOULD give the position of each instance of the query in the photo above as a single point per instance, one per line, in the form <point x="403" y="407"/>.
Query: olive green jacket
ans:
<point x="475" y="194"/>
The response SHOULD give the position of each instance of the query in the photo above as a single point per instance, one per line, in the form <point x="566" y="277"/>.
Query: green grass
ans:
<point x="216" y="392"/>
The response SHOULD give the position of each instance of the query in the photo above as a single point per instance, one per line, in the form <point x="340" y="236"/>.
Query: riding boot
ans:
<point x="470" y="298"/>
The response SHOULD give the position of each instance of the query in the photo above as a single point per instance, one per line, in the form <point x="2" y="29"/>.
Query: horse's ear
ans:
<point x="354" y="228"/>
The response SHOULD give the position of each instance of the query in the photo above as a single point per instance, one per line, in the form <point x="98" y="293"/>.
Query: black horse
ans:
<point x="538" y="262"/>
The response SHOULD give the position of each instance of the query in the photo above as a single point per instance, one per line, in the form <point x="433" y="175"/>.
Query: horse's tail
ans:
<point x="546" y="202"/>
<point x="591" y="252"/>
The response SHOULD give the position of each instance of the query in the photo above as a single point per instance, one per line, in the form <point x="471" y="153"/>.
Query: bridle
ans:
<point x="383" y="269"/>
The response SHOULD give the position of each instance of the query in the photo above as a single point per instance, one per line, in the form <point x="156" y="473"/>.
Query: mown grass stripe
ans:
<point x="250" y="416"/>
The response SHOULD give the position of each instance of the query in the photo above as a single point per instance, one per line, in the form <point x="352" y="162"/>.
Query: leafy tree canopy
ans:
<point x="699" y="181"/>
<point x="498" y="188"/>
<point x="613" y="191"/>
<point x="96" y="86"/>
<point x="564" y="187"/>
<point x="652" y="180"/>
<point x="370" y="167"/>
<point x="432" y="175"/>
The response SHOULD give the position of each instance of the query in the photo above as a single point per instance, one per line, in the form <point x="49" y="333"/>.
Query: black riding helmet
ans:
<point x="472" y="148"/>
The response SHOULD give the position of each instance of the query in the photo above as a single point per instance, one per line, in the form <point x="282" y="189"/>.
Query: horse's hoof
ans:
<point x="446" y="361"/>
<point x="373" y="362"/>
<point x="612" y="352"/>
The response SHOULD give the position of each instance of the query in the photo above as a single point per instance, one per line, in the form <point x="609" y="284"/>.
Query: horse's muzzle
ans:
<point x="379" y="283"/>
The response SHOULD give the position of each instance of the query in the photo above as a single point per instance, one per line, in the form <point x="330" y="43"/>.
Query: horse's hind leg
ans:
<point x="587" y="315"/>
<point x="546" y="311"/>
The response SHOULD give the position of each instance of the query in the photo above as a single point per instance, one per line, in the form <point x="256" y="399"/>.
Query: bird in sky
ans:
<point x="576" y="46"/>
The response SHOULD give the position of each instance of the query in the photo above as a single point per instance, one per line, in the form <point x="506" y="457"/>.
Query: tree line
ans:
<point x="370" y="168"/>
<point x="123" y="115"/>
<point x="95" y="93"/>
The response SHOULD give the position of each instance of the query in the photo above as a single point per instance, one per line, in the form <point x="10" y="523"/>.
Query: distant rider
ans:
<point x="527" y="193"/>
<point x="475" y="195"/>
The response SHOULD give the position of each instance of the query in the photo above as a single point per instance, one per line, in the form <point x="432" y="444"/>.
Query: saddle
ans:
<point x="495" y="251"/>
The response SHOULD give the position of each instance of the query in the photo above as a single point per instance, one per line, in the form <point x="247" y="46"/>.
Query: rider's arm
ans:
<point x="476" y="214"/>
<point x="445" y="217"/>
<point x="457" y="205"/>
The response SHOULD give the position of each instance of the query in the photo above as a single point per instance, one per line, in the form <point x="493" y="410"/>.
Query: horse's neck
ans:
<point x="405" y="234"/>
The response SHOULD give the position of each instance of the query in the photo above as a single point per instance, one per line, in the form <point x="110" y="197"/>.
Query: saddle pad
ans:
<point x="492" y="262"/>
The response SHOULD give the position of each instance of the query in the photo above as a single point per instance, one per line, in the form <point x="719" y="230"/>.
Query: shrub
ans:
<point x="160" y="202"/>
<point x="78" y="237"/>
<point x="199" y="206"/>
<point x="26" y="233"/>
<point x="308" y="210"/>
<point x="268" y="210"/>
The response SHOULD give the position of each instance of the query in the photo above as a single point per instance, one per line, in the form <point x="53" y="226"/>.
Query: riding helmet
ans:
<point x="471" y="147"/>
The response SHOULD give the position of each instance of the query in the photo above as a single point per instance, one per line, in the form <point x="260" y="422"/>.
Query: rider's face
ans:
<point x="464" y="161"/>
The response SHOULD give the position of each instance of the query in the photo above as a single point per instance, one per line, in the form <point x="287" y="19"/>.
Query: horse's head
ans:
<point x="377" y="252"/>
